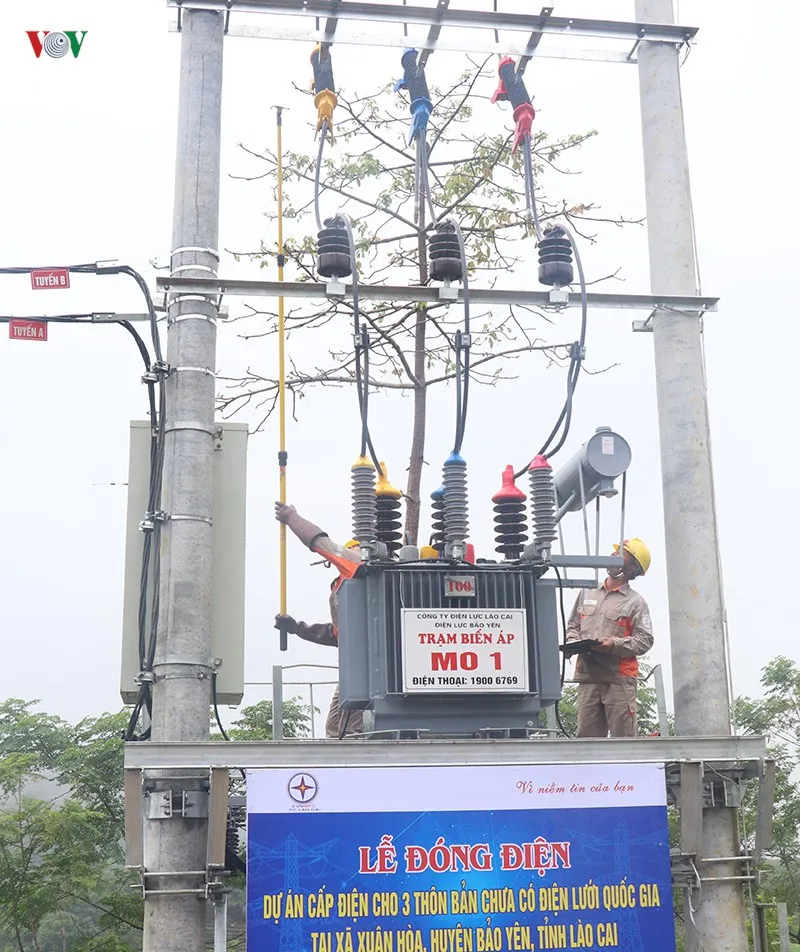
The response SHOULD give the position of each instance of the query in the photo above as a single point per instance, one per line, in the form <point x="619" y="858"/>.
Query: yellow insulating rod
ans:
<point x="282" y="455"/>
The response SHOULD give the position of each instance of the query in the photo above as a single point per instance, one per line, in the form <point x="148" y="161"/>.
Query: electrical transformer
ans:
<point x="449" y="648"/>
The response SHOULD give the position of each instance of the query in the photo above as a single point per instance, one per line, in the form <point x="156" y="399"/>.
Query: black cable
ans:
<point x="564" y="641"/>
<point x="216" y="707"/>
<point x="343" y="731"/>
<point x="361" y="347"/>
<point x="151" y="550"/>
<point x="573" y="370"/>
<point x="462" y="394"/>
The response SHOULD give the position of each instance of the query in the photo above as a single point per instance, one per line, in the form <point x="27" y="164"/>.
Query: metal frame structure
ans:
<point x="326" y="15"/>
<point x="306" y="754"/>
<point x="709" y="769"/>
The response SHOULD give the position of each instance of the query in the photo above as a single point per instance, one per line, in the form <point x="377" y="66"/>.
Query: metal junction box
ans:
<point x="228" y="553"/>
<point x="449" y="648"/>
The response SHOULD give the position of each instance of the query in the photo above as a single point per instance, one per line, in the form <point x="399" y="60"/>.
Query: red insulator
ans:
<point x="509" y="520"/>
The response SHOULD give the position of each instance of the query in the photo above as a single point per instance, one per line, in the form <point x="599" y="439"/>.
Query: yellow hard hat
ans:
<point x="352" y="544"/>
<point x="638" y="550"/>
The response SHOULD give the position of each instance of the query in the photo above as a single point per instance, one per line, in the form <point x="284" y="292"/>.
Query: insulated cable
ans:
<point x="361" y="345"/>
<point x="463" y="342"/>
<point x="564" y="641"/>
<point x="151" y="549"/>
<point x="577" y="353"/>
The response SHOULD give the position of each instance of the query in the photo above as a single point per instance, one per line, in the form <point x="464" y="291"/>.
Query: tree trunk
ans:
<point x="417" y="453"/>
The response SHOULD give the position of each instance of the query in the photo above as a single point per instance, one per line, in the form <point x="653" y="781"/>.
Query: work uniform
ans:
<point x="346" y="562"/>
<point x="607" y="681"/>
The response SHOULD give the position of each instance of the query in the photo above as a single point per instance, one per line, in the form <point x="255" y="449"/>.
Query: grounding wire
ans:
<point x="362" y="382"/>
<point x="317" y="172"/>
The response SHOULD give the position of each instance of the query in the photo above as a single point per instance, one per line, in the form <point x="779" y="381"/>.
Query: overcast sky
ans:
<point x="88" y="172"/>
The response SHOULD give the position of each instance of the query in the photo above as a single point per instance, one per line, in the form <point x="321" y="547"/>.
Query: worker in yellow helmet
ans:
<point x="618" y="620"/>
<point x="346" y="559"/>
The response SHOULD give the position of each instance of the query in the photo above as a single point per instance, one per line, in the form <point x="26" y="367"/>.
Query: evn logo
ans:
<point x="56" y="44"/>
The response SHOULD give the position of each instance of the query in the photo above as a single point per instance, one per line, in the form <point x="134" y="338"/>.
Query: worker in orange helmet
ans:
<point x="618" y="620"/>
<point x="346" y="559"/>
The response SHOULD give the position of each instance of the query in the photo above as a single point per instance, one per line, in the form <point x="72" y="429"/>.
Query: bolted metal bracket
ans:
<point x="150" y="519"/>
<point x="447" y="292"/>
<point x="335" y="289"/>
<point x="558" y="296"/>
<point x="179" y="804"/>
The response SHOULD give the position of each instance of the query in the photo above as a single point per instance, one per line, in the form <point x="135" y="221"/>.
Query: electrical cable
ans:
<point x="573" y="370"/>
<point x="361" y="342"/>
<point x="151" y="549"/>
<point x="564" y="641"/>
<point x="216" y="706"/>
<point x="343" y="731"/>
<point x="463" y="342"/>
<point x="530" y="190"/>
<point x="323" y="134"/>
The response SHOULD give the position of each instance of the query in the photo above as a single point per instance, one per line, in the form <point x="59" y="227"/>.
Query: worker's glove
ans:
<point x="286" y="623"/>
<point x="284" y="512"/>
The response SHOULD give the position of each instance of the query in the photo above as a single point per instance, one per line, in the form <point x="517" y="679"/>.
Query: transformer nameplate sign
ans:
<point x="464" y="651"/>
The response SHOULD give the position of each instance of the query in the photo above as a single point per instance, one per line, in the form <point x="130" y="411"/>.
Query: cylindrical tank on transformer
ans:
<point x="597" y="464"/>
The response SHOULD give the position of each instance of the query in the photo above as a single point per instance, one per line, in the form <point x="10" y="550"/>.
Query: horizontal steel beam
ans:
<point x="464" y="44"/>
<point x="305" y="754"/>
<point x="431" y="16"/>
<point x="95" y="317"/>
<point x="414" y="294"/>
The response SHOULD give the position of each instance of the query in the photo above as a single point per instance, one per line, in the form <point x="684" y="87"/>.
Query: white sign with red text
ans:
<point x="464" y="651"/>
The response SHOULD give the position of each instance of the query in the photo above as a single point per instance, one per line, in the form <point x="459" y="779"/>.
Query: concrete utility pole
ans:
<point x="175" y="921"/>
<point x="699" y="666"/>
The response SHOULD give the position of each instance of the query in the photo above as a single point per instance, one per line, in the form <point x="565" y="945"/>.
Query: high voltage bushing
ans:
<point x="414" y="77"/>
<point x="444" y="252"/>
<point x="437" y="519"/>
<point x="333" y="249"/>
<point x="456" y="523"/>
<point x="509" y="520"/>
<point x="543" y="506"/>
<point x="322" y="65"/>
<point x="365" y="514"/>
<point x="388" y="513"/>
<point x="555" y="258"/>
<point x="515" y="91"/>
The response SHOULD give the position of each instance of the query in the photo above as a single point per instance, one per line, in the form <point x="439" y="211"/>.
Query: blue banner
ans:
<point x="520" y="877"/>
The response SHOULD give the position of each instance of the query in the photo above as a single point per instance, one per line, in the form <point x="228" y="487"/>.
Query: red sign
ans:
<point x="19" y="329"/>
<point x="49" y="278"/>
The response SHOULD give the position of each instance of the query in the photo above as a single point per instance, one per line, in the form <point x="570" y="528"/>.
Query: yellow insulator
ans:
<point x="428" y="552"/>
<point x="325" y="101"/>
<point x="384" y="487"/>
<point x="363" y="461"/>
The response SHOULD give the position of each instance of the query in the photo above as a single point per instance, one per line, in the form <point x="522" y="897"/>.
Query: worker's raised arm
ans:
<point x="640" y="640"/>
<point x="306" y="531"/>
<point x="345" y="558"/>
<point x="573" y="632"/>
